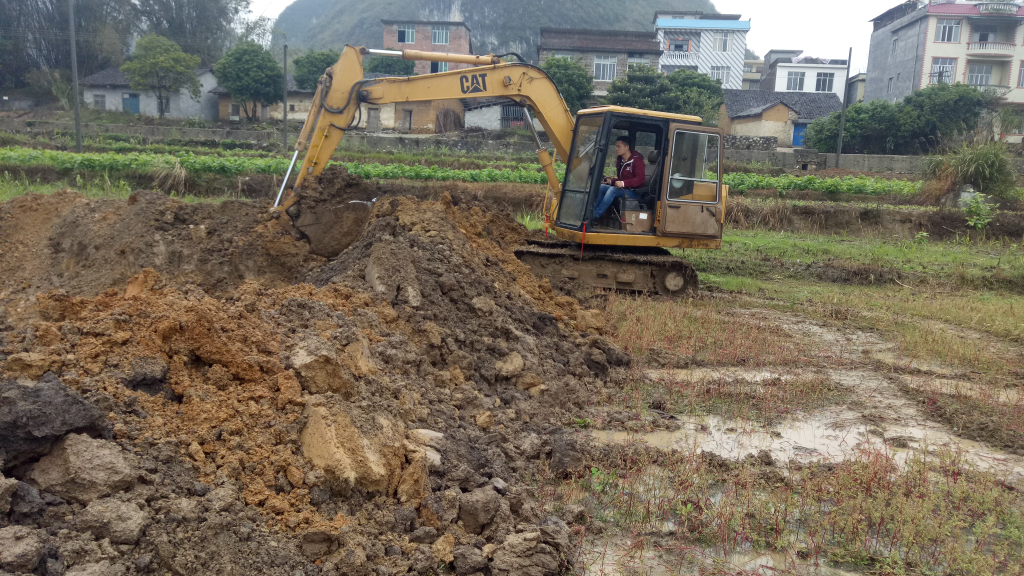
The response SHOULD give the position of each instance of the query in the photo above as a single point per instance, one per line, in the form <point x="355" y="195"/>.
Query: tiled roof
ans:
<point x="114" y="77"/>
<point x="598" y="40"/>
<point x="807" y="105"/>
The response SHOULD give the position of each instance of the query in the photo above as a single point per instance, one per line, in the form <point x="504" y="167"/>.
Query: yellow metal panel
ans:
<point x="638" y="240"/>
<point x="639" y="112"/>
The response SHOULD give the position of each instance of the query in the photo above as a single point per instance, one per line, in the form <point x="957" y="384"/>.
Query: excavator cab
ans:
<point x="681" y="203"/>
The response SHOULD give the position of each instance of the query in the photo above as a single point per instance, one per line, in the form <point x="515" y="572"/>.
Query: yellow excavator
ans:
<point x="681" y="204"/>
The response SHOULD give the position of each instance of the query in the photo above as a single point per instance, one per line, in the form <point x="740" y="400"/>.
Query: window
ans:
<point x="947" y="31"/>
<point x="720" y="73"/>
<point x="986" y="33"/>
<point x="579" y="172"/>
<point x="721" y="42"/>
<point x="890" y="86"/>
<point x="99" y="101"/>
<point x="1020" y="75"/>
<point x="824" y="82"/>
<point x="236" y="111"/>
<point x="291" y="107"/>
<point x="895" y="42"/>
<point x="754" y="85"/>
<point x="438" y="34"/>
<point x="694" y="155"/>
<point x="636" y="60"/>
<point x="569" y="56"/>
<point x="604" y="68"/>
<point x="680" y="45"/>
<point x="795" y="81"/>
<point x="406" y="34"/>
<point x="979" y="75"/>
<point x="942" y="70"/>
<point x="436" y="67"/>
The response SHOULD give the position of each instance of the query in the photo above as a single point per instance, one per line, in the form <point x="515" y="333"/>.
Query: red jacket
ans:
<point x="631" y="172"/>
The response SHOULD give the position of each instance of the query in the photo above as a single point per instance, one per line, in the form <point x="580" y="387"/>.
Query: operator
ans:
<point x="630" y="164"/>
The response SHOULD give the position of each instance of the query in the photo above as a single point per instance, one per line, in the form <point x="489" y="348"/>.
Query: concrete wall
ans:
<point x="790" y="160"/>
<point x="299" y="104"/>
<point x="905" y="66"/>
<point x="182" y="104"/>
<point x="763" y="143"/>
<point x="488" y="118"/>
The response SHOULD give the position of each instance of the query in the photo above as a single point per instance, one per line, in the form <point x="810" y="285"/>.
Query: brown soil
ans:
<point x="299" y="404"/>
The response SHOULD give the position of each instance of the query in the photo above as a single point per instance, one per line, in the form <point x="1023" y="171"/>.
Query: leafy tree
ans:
<point x="699" y="95"/>
<point x="389" y="65"/>
<point x="201" y="27"/>
<point x="310" y="67"/>
<point x="159" y="66"/>
<point x="252" y="76"/>
<point x="681" y="92"/>
<point x="923" y="120"/>
<point x="574" y="82"/>
<point x="750" y="55"/>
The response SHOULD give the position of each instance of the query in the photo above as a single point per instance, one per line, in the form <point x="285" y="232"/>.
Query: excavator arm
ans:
<point x="342" y="89"/>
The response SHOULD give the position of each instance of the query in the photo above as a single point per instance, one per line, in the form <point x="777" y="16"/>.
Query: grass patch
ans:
<point x="12" y="187"/>
<point x="932" y="515"/>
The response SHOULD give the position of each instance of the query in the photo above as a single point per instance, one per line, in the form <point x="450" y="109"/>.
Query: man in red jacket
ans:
<point x="630" y="164"/>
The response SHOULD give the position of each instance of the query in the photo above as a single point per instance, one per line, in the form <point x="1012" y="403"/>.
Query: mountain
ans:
<point x="497" y="26"/>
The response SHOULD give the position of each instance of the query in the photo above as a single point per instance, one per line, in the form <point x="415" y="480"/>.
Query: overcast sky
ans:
<point x="823" y="28"/>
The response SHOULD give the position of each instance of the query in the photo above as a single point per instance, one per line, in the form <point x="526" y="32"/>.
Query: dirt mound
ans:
<point x="333" y="209"/>
<point x="84" y="246"/>
<point x="377" y="422"/>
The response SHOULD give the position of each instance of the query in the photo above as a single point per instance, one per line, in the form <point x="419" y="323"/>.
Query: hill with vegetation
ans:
<point x="497" y="26"/>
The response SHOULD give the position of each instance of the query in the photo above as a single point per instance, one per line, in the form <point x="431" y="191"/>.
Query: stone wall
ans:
<point x="761" y="143"/>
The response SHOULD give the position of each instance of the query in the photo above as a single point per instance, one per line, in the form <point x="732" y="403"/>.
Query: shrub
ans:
<point x="987" y="167"/>
<point x="979" y="212"/>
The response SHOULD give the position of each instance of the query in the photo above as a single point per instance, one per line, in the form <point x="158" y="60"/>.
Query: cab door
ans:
<point x="693" y="204"/>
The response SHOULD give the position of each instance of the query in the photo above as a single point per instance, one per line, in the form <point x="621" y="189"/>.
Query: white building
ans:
<point x="712" y="44"/>
<point x="109" y="90"/>
<point x="788" y="71"/>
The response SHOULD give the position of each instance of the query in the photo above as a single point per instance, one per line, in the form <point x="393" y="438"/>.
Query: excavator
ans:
<point x="681" y="204"/>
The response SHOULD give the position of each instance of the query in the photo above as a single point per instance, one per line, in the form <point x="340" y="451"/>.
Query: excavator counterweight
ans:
<point x="680" y="204"/>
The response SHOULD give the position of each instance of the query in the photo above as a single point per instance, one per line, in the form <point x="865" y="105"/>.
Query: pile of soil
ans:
<point x="378" y="419"/>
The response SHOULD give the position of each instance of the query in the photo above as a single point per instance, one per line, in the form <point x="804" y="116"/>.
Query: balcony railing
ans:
<point x="995" y="48"/>
<point x="998" y="7"/>
<point x="679" y="58"/>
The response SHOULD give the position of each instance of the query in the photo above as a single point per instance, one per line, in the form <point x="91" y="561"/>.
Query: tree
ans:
<point x="681" y="92"/>
<point x="574" y="83"/>
<point x="750" y="55"/>
<point x="922" y="121"/>
<point x="201" y="27"/>
<point x="310" y="67"/>
<point x="699" y="95"/>
<point x="159" y="66"/>
<point x="252" y="76"/>
<point x="389" y="65"/>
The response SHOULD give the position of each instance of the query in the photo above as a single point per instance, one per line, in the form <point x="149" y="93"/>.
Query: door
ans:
<point x="798" y="134"/>
<point x="693" y="201"/>
<point x="373" y="120"/>
<point x="407" y="120"/>
<point x="130" y="102"/>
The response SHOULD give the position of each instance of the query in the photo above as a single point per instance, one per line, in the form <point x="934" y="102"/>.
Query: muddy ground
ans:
<point x="186" y="389"/>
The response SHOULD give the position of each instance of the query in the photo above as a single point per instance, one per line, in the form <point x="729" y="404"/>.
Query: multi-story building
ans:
<point x="752" y="74"/>
<point x="789" y="71"/>
<point x="920" y="43"/>
<point x="428" y="36"/>
<point x="607" y="54"/>
<point x="712" y="44"/>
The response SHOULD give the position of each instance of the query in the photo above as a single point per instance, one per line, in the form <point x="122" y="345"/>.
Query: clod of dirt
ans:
<point x="332" y="210"/>
<point x="35" y="415"/>
<point x="82" y="469"/>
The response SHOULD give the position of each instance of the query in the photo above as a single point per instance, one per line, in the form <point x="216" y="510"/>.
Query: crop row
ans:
<point x="527" y="174"/>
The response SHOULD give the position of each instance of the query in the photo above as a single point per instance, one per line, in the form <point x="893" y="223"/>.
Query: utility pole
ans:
<point x="846" y="101"/>
<point x="284" y="107"/>
<point x="74" y="77"/>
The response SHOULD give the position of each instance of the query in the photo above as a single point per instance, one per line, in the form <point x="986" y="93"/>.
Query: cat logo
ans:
<point x="473" y="84"/>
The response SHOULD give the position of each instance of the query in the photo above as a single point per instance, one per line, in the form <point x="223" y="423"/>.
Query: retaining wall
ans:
<point x="794" y="160"/>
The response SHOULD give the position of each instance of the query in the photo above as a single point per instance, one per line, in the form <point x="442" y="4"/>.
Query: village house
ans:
<point x="790" y="71"/>
<point x="429" y="36"/>
<point x="712" y="44"/>
<point x="109" y="90"/>
<point x="784" y="115"/>
<point x="607" y="54"/>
